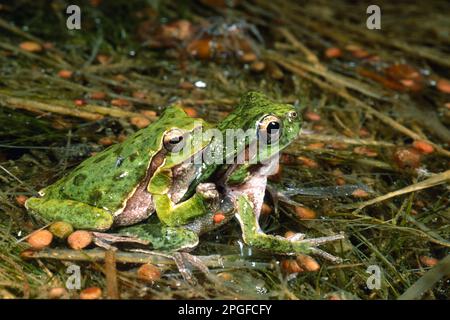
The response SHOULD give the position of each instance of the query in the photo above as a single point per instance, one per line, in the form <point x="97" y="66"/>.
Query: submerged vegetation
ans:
<point x="372" y="160"/>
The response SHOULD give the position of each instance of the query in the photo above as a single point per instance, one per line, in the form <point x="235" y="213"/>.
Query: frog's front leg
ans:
<point x="205" y="200"/>
<point x="253" y="235"/>
<point x="78" y="214"/>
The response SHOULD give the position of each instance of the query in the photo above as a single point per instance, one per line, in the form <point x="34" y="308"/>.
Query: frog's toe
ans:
<point x="207" y="190"/>
<point x="105" y="240"/>
<point x="183" y="259"/>
<point x="321" y="240"/>
<point x="314" y="242"/>
<point x="325" y="255"/>
<point x="297" y="237"/>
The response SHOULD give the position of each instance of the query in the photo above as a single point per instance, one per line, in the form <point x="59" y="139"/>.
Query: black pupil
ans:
<point x="273" y="126"/>
<point x="176" y="140"/>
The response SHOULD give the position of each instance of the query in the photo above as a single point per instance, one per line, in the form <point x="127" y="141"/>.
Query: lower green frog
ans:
<point x="127" y="182"/>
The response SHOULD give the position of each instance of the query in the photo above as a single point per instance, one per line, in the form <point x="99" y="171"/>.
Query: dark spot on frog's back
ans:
<point x="118" y="151"/>
<point x="100" y="158"/>
<point x="133" y="156"/>
<point x="79" y="179"/>
<point x="95" y="196"/>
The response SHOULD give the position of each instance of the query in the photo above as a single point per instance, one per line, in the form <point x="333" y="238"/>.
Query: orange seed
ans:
<point x="40" y="239"/>
<point x="149" y="272"/>
<point x="91" y="293"/>
<point x="80" y="239"/>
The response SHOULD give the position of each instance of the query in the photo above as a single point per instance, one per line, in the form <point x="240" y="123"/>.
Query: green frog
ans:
<point x="247" y="148"/>
<point x="147" y="173"/>
<point x="127" y="182"/>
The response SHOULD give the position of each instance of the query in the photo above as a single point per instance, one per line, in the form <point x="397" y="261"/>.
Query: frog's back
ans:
<point x="107" y="179"/>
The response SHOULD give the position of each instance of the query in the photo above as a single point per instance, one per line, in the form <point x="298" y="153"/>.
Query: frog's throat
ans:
<point x="139" y="205"/>
<point x="253" y="187"/>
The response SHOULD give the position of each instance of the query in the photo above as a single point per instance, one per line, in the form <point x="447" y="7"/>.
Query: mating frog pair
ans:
<point x="157" y="170"/>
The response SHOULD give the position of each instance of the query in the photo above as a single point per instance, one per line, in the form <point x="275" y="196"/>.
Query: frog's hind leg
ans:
<point x="161" y="237"/>
<point x="78" y="214"/>
<point x="106" y="240"/>
<point x="170" y="239"/>
<point x="253" y="236"/>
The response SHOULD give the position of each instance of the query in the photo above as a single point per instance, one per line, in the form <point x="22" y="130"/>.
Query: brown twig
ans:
<point x="310" y="56"/>
<point x="96" y="255"/>
<point x="351" y="141"/>
<point x="89" y="112"/>
<point x="112" y="287"/>
<point x="39" y="107"/>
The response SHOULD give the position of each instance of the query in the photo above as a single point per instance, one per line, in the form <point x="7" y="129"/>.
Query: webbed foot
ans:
<point x="313" y="242"/>
<point x="296" y="244"/>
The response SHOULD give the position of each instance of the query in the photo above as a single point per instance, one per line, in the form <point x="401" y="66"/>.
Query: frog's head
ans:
<point x="262" y="123"/>
<point x="181" y="144"/>
<point x="257" y="130"/>
<point x="269" y="128"/>
<point x="256" y="121"/>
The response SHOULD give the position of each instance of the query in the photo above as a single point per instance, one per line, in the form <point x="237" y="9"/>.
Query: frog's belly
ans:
<point x="254" y="188"/>
<point x="139" y="207"/>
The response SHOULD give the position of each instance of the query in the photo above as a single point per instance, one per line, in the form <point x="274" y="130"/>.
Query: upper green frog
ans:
<point x="127" y="182"/>
<point x="259" y="129"/>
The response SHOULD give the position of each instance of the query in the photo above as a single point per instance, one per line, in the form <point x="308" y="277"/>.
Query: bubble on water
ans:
<point x="291" y="276"/>
<point x="200" y="84"/>
<point x="241" y="248"/>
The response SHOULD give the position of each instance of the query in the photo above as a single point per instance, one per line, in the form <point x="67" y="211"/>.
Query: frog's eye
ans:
<point x="174" y="140"/>
<point x="269" y="129"/>
<point x="292" y="115"/>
